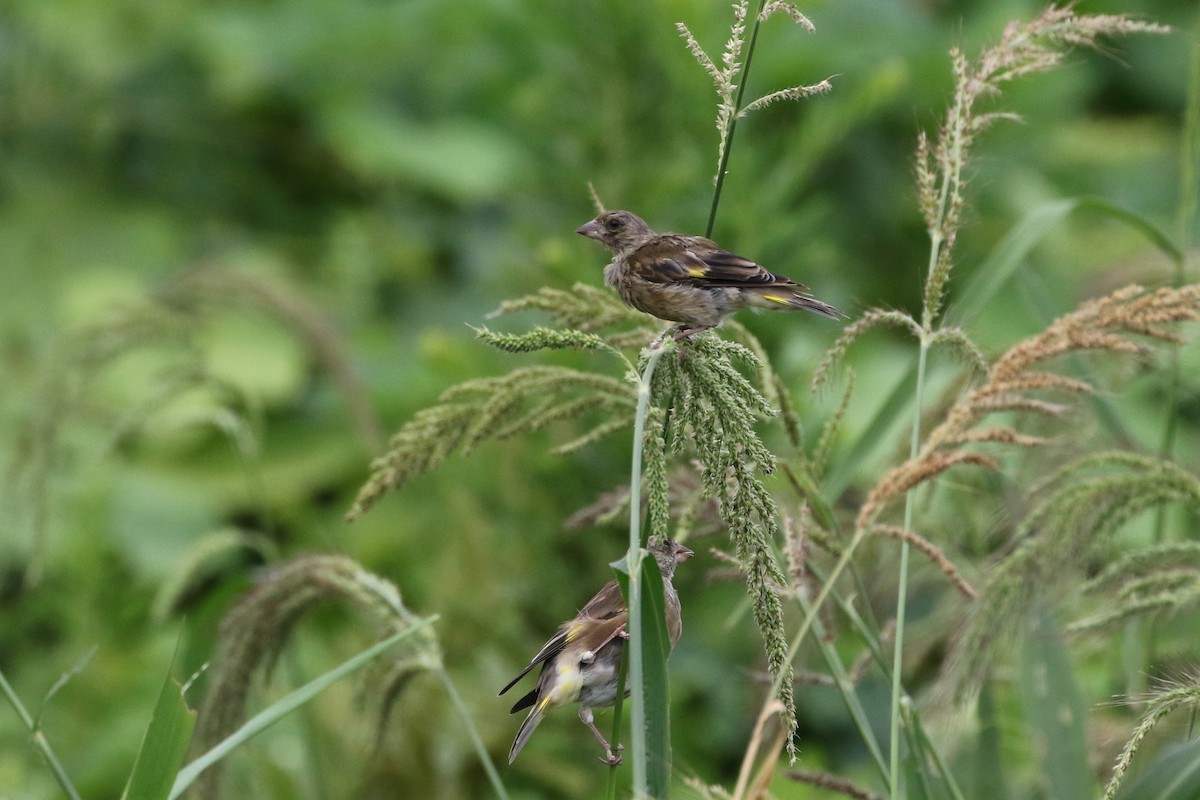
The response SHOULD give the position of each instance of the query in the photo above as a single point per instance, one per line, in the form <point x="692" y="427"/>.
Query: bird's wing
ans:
<point x="582" y="635"/>
<point x="606" y="602"/>
<point x="697" y="261"/>
<point x="548" y="651"/>
<point x="603" y="617"/>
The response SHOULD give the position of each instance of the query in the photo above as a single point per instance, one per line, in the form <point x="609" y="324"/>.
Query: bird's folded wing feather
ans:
<point x="606" y="603"/>
<point x="696" y="261"/>
<point x="549" y="650"/>
<point x="592" y="633"/>
<point x="584" y="635"/>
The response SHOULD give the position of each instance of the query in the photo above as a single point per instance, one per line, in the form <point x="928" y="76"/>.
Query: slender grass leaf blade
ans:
<point x="1008" y="255"/>
<point x="989" y="774"/>
<point x="1056" y="713"/>
<point x="1143" y="224"/>
<point x="164" y="745"/>
<point x="652" y="684"/>
<point x="655" y="649"/>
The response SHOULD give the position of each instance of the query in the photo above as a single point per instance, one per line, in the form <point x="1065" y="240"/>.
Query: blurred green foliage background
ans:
<point x="351" y="184"/>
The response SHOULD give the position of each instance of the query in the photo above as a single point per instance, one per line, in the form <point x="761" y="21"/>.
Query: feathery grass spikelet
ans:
<point x="832" y="783"/>
<point x="871" y="319"/>
<point x="542" y="339"/>
<point x="582" y="307"/>
<point x="935" y="554"/>
<point x="487" y="408"/>
<point x="728" y="77"/>
<point x="1182" y="693"/>
<point x="1101" y="324"/>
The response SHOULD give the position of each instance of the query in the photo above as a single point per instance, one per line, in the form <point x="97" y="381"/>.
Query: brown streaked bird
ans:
<point x="689" y="279"/>
<point x="581" y="664"/>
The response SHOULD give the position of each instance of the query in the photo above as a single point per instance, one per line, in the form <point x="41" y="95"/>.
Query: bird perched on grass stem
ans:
<point x="689" y="279"/>
<point x="581" y="664"/>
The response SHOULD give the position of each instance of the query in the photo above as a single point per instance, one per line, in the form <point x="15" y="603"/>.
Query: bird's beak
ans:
<point x="590" y="230"/>
<point x="683" y="553"/>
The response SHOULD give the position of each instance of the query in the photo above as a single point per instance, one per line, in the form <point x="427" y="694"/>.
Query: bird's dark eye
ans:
<point x="614" y="223"/>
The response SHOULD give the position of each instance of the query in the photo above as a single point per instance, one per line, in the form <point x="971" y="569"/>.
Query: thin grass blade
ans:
<point x="1056" y="712"/>
<point x="164" y="745"/>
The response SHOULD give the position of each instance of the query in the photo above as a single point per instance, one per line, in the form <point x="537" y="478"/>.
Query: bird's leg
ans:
<point x="684" y="333"/>
<point x="661" y="339"/>
<point x="589" y="719"/>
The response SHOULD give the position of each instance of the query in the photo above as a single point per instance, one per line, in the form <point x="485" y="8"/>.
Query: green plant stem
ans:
<point x="476" y="740"/>
<point x="902" y="591"/>
<point x="39" y="739"/>
<point x="737" y="106"/>
<point x="611" y="792"/>
<point x="633" y="563"/>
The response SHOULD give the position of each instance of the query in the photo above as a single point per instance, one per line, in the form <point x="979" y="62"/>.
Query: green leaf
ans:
<point x="164" y="745"/>
<point x="655" y="647"/>
<point x="989" y="764"/>
<point x="1008" y="255"/>
<point x="1175" y="777"/>
<point x="280" y="709"/>
<point x="1055" y="712"/>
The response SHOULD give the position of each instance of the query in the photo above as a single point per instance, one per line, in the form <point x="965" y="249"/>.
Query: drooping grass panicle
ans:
<point x="1171" y="695"/>
<point x="1105" y="324"/>
<point x="715" y="412"/>
<point x="214" y="288"/>
<point x="205" y="557"/>
<point x="871" y="319"/>
<point x="1168" y="555"/>
<point x="790" y="9"/>
<point x="256" y="630"/>
<point x="1085" y="502"/>
<point x="168" y="325"/>
<point x="791" y="93"/>
<point x="526" y="399"/>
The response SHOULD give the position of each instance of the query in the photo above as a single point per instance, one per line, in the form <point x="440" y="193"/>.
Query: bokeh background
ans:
<point x="352" y="184"/>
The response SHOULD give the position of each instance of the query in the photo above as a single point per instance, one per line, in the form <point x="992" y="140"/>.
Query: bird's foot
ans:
<point x="611" y="758"/>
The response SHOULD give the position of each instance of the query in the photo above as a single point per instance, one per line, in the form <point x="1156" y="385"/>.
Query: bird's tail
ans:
<point x="785" y="297"/>
<point x="526" y="730"/>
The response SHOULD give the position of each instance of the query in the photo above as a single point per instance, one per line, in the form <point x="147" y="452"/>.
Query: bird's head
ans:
<point x="668" y="553"/>
<point x="619" y="231"/>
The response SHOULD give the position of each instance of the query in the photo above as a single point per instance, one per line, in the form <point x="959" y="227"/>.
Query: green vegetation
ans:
<point x="306" y="376"/>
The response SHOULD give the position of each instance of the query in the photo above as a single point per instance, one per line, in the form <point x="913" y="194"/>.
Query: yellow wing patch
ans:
<point x="776" y="298"/>
<point x="697" y="272"/>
